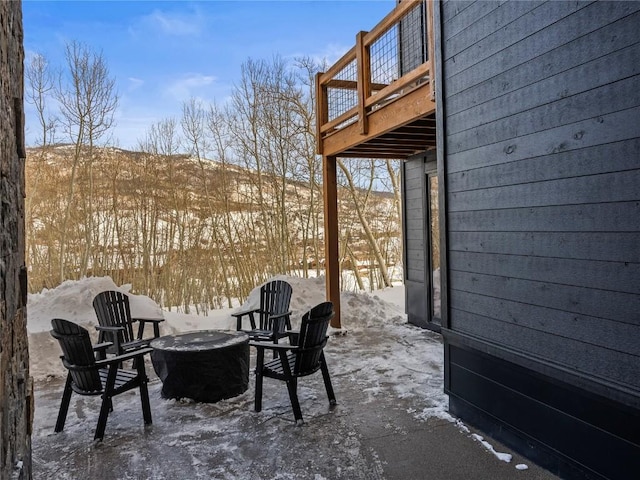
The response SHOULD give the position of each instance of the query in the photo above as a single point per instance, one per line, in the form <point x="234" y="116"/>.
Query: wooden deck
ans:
<point x="377" y="101"/>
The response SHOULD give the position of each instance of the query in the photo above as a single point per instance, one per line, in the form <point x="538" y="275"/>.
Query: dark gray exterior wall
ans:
<point x="416" y="236"/>
<point x="540" y="103"/>
<point x="416" y="248"/>
<point x="413" y="180"/>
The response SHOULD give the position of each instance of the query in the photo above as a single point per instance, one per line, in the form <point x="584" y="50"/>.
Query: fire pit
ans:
<point x="206" y="366"/>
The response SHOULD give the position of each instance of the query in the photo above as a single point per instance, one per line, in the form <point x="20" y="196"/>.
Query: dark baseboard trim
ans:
<point x="571" y="432"/>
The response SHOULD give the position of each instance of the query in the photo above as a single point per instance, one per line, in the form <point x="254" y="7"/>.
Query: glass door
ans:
<point x="433" y="245"/>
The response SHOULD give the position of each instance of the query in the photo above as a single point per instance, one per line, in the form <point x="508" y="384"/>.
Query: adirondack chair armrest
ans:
<point x="113" y="331"/>
<point x="245" y="312"/>
<point x="124" y="357"/>
<point x="101" y="349"/>
<point x="109" y="329"/>
<point x="294" y="336"/>
<point x="239" y="315"/>
<point x="273" y="346"/>
<point x="278" y="349"/>
<point x="143" y="323"/>
<point x="281" y="317"/>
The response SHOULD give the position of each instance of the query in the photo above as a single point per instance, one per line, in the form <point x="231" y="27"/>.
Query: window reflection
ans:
<point x="435" y="247"/>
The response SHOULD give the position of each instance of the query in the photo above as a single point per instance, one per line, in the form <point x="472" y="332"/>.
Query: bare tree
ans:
<point x="360" y="205"/>
<point x="213" y="204"/>
<point x="40" y="83"/>
<point x="309" y="165"/>
<point x="88" y="100"/>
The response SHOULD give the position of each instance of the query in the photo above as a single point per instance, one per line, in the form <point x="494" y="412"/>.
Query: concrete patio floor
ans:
<point x="378" y="430"/>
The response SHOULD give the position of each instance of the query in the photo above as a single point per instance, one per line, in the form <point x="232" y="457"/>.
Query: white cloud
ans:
<point x="333" y="52"/>
<point x="187" y="86"/>
<point x="178" y="24"/>
<point x="135" y="83"/>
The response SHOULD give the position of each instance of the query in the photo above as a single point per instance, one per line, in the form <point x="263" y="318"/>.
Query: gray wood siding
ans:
<point x="414" y="241"/>
<point x="542" y="142"/>
<point x="414" y="220"/>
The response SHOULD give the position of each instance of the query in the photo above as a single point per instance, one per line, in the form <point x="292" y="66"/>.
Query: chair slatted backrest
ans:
<point x="275" y="297"/>
<point x="313" y="338"/>
<point x="112" y="310"/>
<point x="77" y="354"/>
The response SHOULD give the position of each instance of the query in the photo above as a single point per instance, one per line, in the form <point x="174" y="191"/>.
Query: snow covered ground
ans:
<point x="387" y="361"/>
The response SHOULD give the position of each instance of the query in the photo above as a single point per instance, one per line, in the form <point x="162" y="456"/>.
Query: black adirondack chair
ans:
<point x="273" y="315"/>
<point x="303" y="357"/>
<point x="88" y="376"/>
<point x="115" y="323"/>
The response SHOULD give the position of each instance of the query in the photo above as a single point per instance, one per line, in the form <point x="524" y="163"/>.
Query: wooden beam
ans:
<point x="352" y="85"/>
<point x="391" y="19"/>
<point x="322" y="111"/>
<point x="332" y="264"/>
<point x="364" y="80"/>
<point x="407" y="109"/>
<point x="349" y="114"/>
<point x="339" y="65"/>
<point x="405" y="81"/>
<point x="431" y="50"/>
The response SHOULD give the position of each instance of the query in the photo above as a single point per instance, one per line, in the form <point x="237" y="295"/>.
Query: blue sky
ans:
<point x="163" y="52"/>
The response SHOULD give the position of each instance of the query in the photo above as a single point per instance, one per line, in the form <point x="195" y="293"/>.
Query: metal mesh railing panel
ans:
<point x="396" y="52"/>
<point x="343" y="99"/>
<point x="401" y="48"/>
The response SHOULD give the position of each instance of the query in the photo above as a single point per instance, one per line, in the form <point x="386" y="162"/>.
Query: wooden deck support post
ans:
<point x="332" y="265"/>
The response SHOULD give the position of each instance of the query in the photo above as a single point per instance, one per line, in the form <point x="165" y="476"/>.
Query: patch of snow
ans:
<point x="505" y="457"/>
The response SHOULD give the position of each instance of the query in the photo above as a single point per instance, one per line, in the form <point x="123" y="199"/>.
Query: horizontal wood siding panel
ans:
<point x="598" y="246"/>
<point x="555" y="92"/>
<point x="460" y="14"/>
<point x="481" y="20"/>
<point x="516" y="121"/>
<point x="602" y="217"/>
<point x="620" y="368"/>
<point x="592" y="189"/>
<point x="602" y="332"/>
<point x="413" y="189"/>
<point x="613" y="29"/>
<point x="516" y="54"/>
<point x="522" y="21"/>
<point x="415" y="255"/>
<point x="414" y="223"/>
<point x="415" y="271"/>
<point x="416" y="302"/>
<point x="612" y="157"/>
<point x="616" y="306"/>
<point x="599" y="130"/>
<point x="416" y="274"/>
<point x="414" y="235"/>
<point x="614" y="276"/>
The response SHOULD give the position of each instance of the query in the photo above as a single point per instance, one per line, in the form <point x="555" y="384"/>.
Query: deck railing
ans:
<point x="385" y="64"/>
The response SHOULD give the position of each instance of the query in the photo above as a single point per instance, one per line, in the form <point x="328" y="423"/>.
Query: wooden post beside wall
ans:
<point x="332" y="265"/>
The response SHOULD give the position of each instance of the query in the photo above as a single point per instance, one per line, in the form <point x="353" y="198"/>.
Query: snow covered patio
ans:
<point x="390" y="422"/>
